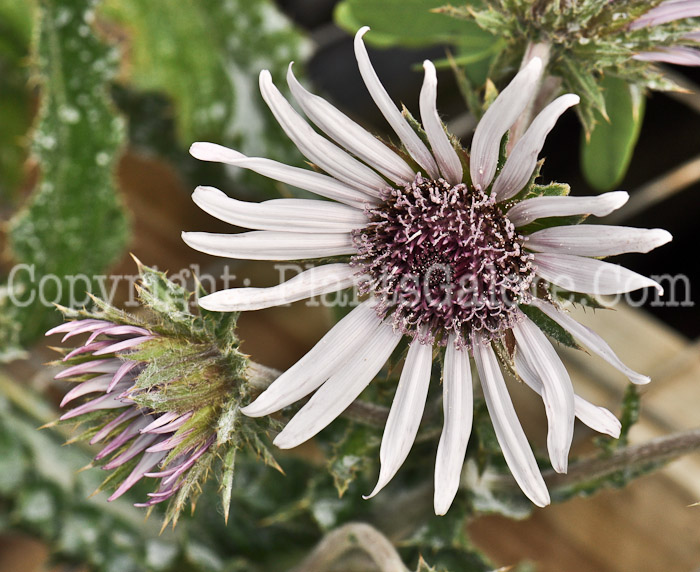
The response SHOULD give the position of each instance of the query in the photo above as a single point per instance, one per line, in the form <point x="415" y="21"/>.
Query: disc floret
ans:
<point x="443" y="259"/>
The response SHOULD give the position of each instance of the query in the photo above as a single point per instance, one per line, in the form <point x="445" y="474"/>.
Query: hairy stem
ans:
<point x="353" y="537"/>
<point x="657" y="450"/>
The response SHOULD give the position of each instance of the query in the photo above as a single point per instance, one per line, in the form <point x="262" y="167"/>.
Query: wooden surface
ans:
<point x="649" y="525"/>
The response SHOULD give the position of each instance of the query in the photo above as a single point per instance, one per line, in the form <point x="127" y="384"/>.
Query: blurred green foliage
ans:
<point x="74" y="223"/>
<point x="205" y="57"/>
<point x="606" y="155"/>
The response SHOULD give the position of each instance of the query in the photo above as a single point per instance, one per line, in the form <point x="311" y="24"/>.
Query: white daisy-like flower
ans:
<point x="434" y="239"/>
<point x="687" y="52"/>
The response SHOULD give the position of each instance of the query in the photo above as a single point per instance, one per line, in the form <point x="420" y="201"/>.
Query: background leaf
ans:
<point x="606" y="156"/>
<point x="411" y="23"/>
<point x="74" y="223"/>
<point x="212" y="82"/>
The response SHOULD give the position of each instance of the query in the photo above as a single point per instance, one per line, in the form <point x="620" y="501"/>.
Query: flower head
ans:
<point x="443" y="244"/>
<point x="129" y="432"/>
<point x="160" y="393"/>
<point x="585" y="43"/>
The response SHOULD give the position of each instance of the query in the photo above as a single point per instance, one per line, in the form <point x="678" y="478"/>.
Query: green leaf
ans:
<point x="549" y="326"/>
<point x="410" y="23"/>
<point x="205" y="56"/>
<point x="351" y="454"/>
<point x="227" y="481"/>
<point x="74" y="225"/>
<point x="631" y="406"/>
<point x="551" y="190"/>
<point x="607" y="155"/>
<point x="442" y="541"/>
<point x="166" y="298"/>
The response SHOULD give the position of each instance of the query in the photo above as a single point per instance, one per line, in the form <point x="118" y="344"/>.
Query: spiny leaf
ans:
<point x="169" y="300"/>
<point x="582" y="81"/>
<point x="227" y="481"/>
<point x="15" y="96"/>
<point x="355" y="450"/>
<point x="74" y="223"/>
<point x="549" y="326"/>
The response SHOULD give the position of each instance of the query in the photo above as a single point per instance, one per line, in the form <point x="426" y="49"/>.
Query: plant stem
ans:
<point x="353" y="536"/>
<point x="657" y="450"/>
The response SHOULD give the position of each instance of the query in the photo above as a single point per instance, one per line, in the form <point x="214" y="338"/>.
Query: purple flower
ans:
<point x="158" y="444"/>
<point x="439" y="242"/>
<point x="686" y="54"/>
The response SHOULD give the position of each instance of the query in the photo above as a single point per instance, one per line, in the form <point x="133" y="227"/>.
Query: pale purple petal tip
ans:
<point x="415" y="147"/>
<point x="667" y="12"/>
<point x="122" y="345"/>
<point x="675" y="55"/>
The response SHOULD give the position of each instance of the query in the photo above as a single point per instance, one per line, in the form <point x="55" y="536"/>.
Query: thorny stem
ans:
<point x="351" y="537"/>
<point x="657" y="450"/>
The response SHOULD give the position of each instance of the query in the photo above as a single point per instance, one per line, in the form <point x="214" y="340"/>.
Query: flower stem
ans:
<point x="353" y="536"/>
<point x="659" y="450"/>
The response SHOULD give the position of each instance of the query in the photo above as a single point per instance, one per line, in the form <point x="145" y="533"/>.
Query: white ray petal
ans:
<point x="596" y="239"/>
<point x="287" y="215"/>
<point x="270" y="245"/>
<point x="415" y="147"/>
<point x="326" y="358"/>
<point x="317" y="148"/>
<point x="458" y="411"/>
<point x="313" y="282"/>
<point x="523" y="158"/>
<point x="557" y="390"/>
<point x="590" y="339"/>
<point x="528" y="210"/>
<point x="676" y="55"/>
<point x="597" y="418"/>
<point x="343" y="387"/>
<point x="444" y="152"/>
<point x="588" y="275"/>
<point x="350" y="135"/>
<point x="511" y="438"/>
<point x="667" y="12"/>
<point x="498" y="119"/>
<point x="319" y="184"/>
<point x="406" y="412"/>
